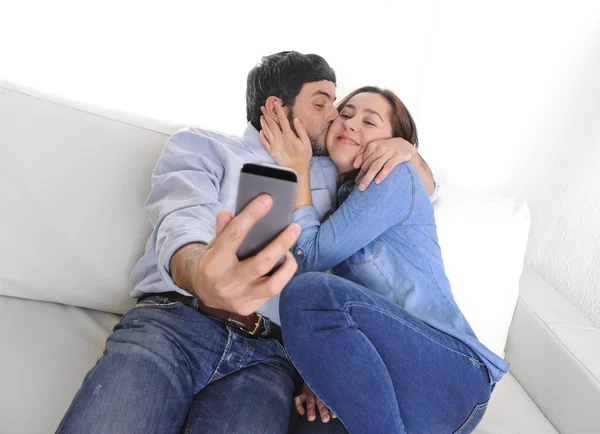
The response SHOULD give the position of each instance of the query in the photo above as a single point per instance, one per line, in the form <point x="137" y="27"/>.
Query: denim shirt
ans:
<point x="385" y="239"/>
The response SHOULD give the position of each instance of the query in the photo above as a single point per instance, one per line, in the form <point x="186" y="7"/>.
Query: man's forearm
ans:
<point x="184" y="265"/>
<point x="424" y="171"/>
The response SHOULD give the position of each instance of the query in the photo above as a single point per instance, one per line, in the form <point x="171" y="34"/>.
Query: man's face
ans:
<point x="314" y="107"/>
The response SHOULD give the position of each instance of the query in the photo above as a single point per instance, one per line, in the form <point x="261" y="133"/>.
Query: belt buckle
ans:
<point x="257" y="324"/>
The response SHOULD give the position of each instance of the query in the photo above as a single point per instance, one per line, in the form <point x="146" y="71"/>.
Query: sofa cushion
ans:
<point x="48" y="348"/>
<point x="73" y="183"/>
<point x="483" y="239"/>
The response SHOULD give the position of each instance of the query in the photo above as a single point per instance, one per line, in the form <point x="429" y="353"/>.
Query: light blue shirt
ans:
<point x="385" y="239"/>
<point x="196" y="176"/>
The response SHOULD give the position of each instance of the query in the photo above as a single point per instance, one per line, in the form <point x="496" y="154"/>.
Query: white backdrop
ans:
<point x="506" y="95"/>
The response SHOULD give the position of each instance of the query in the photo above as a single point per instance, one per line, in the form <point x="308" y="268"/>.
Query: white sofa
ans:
<point x="73" y="181"/>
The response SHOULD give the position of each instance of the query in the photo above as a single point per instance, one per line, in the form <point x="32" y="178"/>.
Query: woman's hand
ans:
<point x="308" y="396"/>
<point x="379" y="157"/>
<point x="284" y="146"/>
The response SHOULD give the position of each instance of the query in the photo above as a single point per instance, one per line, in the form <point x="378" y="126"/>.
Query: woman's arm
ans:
<point x="363" y="217"/>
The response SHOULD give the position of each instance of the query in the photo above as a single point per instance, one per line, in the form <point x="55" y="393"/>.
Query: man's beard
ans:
<point x="318" y="147"/>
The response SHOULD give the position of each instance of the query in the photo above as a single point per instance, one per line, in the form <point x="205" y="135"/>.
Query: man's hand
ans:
<point x="219" y="279"/>
<point x="379" y="157"/>
<point x="308" y="396"/>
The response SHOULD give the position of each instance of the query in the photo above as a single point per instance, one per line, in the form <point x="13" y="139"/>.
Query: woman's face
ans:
<point x="364" y="118"/>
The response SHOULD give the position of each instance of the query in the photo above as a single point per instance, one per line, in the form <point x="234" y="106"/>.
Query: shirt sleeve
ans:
<point x="360" y="219"/>
<point x="183" y="202"/>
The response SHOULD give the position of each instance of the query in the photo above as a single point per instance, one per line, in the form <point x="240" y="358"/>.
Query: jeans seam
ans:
<point x="406" y="324"/>
<point x="163" y="306"/>
<point x="226" y="350"/>
<point x="191" y="415"/>
<point x="474" y="413"/>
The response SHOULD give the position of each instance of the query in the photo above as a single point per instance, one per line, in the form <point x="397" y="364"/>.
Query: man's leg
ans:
<point x="159" y="355"/>
<point x="256" y="398"/>
<point x="253" y="400"/>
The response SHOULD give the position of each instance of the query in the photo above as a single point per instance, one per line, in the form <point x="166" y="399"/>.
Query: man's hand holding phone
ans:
<point x="215" y="274"/>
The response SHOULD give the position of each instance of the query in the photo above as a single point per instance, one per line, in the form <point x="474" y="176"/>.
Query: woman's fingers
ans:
<point x="264" y="141"/>
<point x="300" y="400"/>
<point x="283" y="120"/>
<point x="266" y="129"/>
<point x="310" y="408"/>
<point x="274" y="127"/>
<point x="302" y="134"/>
<point x="323" y="411"/>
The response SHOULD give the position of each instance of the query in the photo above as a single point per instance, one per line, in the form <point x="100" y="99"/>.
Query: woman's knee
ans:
<point x="307" y="291"/>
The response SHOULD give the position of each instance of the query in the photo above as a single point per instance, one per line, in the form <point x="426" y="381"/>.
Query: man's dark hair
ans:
<point x="282" y="75"/>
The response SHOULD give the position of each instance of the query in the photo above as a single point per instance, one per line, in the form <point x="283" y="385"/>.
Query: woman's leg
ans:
<point x="378" y="368"/>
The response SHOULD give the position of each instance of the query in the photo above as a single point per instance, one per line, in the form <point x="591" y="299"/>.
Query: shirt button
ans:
<point x="299" y="252"/>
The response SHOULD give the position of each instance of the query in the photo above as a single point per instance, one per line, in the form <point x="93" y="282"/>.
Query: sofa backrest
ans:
<point x="73" y="182"/>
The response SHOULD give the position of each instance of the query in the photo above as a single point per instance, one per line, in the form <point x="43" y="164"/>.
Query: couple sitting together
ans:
<point x="217" y="345"/>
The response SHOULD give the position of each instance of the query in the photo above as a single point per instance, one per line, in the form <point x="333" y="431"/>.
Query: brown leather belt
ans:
<point x="253" y="324"/>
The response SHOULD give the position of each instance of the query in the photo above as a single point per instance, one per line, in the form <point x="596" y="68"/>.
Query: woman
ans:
<point x="383" y="344"/>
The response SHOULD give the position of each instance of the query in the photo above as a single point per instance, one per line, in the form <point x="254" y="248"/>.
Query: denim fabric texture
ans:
<point x="385" y="239"/>
<point x="169" y="368"/>
<point x="379" y="368"/>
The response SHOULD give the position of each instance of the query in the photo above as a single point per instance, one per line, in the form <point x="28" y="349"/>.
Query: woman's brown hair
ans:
<point x="402" y="122"/>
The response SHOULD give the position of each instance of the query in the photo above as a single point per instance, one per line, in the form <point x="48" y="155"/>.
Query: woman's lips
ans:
<point x="348" y="141"/>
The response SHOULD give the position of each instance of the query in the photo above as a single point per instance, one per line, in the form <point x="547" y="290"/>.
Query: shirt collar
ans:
<point x="251" y="140"/>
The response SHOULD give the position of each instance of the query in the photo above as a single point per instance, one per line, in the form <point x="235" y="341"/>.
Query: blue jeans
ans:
<point x="168" y="368"/>
<point x="378" y="368"/>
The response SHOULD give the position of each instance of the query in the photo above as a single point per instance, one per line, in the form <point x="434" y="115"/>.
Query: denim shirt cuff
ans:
<point x="306" y="216"/>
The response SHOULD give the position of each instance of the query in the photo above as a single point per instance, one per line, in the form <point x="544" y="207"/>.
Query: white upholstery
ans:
<point x="555" y="352"/>
<point x="73" y="184"/>
<point x="483" y="239"/>
<point x="77" y="245"/>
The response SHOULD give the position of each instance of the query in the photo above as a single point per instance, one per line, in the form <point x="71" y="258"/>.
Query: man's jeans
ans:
<point x="161" y="355"/>
<point x="378" y="368"/>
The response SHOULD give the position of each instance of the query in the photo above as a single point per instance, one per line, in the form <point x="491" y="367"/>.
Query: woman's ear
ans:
<point x="270" y="107"/>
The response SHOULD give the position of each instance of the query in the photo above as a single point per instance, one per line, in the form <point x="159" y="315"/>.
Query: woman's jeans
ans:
<point x="377" y="367"/>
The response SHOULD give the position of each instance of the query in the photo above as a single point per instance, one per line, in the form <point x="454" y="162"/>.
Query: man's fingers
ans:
<point x="323" y="411"/>
<point x="261" y="263"/>
<point x="237" y="229"/>
<point x="269" y="286"/>
<point x="223" y="218"/>
<point x="300" y="399"/>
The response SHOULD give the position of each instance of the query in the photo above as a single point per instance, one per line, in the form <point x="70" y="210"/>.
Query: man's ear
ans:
<point x="270" y="108"/>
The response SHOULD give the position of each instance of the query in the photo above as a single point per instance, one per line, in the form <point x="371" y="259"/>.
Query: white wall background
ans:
<point x="506" y="94"/>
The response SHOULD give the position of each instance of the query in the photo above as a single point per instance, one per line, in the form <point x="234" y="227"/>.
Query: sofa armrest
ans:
<point x="554" y="351"/>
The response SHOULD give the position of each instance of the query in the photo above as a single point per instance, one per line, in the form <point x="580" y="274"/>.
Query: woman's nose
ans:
<point x="350" y="125"/>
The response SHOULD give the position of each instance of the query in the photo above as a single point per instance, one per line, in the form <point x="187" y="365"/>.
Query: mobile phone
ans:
<point x="282" y="184"/>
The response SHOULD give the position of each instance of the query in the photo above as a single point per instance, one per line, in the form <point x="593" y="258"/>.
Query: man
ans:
<point x="201" y="350"/>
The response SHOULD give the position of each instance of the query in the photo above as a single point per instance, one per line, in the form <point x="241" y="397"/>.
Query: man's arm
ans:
<point x="183" y="207"/>
<point x="184" y="265"/>
<point x="215" y="275"/>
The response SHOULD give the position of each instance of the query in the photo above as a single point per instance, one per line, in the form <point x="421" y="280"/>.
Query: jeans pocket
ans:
<point x="473" y="419"/>
<point x="154" y="301"/>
